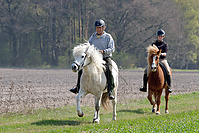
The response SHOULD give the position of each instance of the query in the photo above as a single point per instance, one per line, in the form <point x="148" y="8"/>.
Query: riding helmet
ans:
<point x="99" y="23"/>
<point x="160" y="32"/>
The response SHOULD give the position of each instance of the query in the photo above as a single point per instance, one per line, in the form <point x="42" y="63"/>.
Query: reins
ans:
<point x="87" y="64"/>
<point x="120" y="75"/>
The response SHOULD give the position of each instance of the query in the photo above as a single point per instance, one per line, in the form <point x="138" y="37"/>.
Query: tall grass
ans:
<point x="134" y="116"/>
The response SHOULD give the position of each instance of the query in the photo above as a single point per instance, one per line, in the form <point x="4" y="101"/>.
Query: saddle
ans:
<point x="106" y="70"/>
<point x="164" y="71"/>
<point x="107" y="74"/>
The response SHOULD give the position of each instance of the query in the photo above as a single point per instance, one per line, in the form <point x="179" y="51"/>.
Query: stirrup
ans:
<point x="75" y="90"/>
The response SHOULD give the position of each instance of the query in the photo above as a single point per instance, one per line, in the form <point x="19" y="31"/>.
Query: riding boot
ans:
<point x="77" y="87"/>
<point x="169" y="83"/>
<point x="109" y="78"/>
<point x="145" y="79"/>
<point x="111" y="86"/>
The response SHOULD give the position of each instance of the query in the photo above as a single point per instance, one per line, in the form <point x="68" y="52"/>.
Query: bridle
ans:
<point x="81" y="64"/>
<point x="154" y="65"/>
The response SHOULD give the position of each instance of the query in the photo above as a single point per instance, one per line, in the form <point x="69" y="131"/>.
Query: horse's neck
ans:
<point x="87" y="70"/>
<point x="92" y="69"/>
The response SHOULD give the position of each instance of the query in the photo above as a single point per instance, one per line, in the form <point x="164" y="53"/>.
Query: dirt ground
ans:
<point x="29" y="89"/>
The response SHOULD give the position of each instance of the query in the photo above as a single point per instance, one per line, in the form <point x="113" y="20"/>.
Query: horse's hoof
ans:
<point x="96" y="121"/>
<point x="166" y="111"/>
<point x="114" y="118"/>
<point x="153" y="110"/>
<point x="80" y="114"/>
<point x="157" y="113"/>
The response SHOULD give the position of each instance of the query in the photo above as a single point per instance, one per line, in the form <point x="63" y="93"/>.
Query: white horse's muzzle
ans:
<point x="74" y="67"/>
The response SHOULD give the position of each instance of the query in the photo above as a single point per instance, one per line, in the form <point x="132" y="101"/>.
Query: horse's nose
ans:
<point x="74" y="67"/>
<point x="153" y="67"/>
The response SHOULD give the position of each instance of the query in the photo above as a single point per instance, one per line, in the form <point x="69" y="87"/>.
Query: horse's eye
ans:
<point x="82" y="56"/>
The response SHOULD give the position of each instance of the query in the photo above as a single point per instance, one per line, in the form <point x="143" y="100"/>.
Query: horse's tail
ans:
<point x="105" y="101"/>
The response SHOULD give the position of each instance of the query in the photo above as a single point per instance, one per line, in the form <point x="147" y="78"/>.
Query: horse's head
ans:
<point x="80" y="55"/>
<point x="87" y="55"/>
<point x="153" y="57"/>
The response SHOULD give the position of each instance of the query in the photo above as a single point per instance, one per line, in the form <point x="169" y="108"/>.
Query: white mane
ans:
<point x="93" y="53"/>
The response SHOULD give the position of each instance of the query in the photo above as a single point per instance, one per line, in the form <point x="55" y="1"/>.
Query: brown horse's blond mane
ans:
<point x="152" y="49"/>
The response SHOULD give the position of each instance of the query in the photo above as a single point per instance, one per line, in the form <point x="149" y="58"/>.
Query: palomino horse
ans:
<point x="156" y="80"/>
<point x="93" y="79"/>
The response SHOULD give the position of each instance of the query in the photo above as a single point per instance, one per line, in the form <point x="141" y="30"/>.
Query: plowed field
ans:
<point x="28" y="89"/>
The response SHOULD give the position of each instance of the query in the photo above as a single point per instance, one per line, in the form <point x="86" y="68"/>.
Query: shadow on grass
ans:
<point x="137" y="111"/>
<point x="58" y="122"/>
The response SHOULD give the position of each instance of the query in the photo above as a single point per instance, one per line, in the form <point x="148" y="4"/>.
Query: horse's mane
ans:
<point x="93" y="52"/>
<point x="152" y="49"/>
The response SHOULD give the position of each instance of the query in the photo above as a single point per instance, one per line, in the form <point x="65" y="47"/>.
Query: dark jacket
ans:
<point x="161" y="45"/>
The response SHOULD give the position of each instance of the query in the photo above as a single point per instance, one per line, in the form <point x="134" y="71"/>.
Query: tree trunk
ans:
<point x="87" y="23"/>
<point x="74" y="29"/>
<point x="80" y="23"/>
<point x="14" y="44"/>
<point x="54" y="46"/>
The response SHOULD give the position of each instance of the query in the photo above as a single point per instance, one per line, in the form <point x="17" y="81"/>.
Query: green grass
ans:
<point x="133" y="116"/>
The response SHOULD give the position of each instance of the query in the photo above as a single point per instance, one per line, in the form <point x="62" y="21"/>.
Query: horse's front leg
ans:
<point x="167" y="101"/>
<point x="96" y="118"/>
<point x="158" y="102"/>
<point x="80" y="95"/>
<point x="150" y="93"/>
<point x="114" y="102"/>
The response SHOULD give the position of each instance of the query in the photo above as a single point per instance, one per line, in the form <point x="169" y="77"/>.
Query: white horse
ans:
<point x="93" y="79"/>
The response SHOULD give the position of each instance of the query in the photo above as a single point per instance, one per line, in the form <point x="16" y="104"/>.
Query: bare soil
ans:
<point x="29" y="89"/>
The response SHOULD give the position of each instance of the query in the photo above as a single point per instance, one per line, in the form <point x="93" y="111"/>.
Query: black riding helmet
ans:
<point x="160" y="32"/>
<point x="99" y="23"/>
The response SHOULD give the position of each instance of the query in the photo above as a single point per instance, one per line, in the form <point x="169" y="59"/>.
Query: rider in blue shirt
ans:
<point x="105" y="43"/>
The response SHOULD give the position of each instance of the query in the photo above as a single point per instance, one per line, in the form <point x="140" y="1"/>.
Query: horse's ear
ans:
<point x="159" y="52"/>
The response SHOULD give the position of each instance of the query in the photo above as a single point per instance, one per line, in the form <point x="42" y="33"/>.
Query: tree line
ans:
<point x="43" y="33"/>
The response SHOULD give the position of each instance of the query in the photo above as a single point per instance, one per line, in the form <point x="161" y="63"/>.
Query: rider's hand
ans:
<point x="163" y="54"/>
<point x="102" y="51"/>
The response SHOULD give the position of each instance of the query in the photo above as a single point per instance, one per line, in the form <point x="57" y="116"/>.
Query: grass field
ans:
<point x="133" y="116"/>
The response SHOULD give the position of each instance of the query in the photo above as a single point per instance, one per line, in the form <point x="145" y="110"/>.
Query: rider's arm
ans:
<point x="111" y="45"/>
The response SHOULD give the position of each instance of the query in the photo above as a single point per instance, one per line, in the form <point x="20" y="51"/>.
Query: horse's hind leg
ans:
<point x="151" y="100"/>
<point x="78" y="99"/>
<point x="96" y="118"/>
<point x="167" y="101"/>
